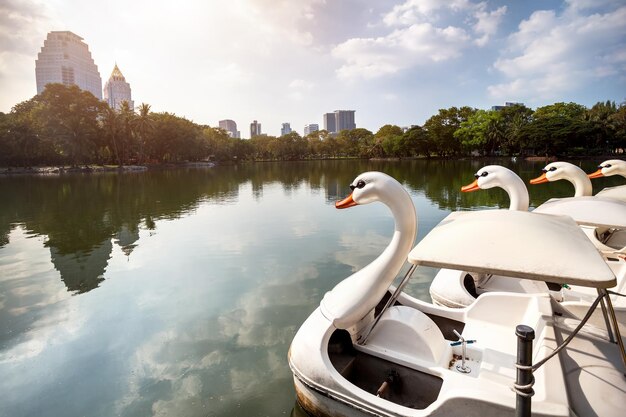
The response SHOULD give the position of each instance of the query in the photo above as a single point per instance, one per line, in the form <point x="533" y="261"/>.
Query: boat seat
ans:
<point x="492" y="318"/>
<point x="409" y="337"/>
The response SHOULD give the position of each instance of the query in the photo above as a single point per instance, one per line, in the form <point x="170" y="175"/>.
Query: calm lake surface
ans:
<point x="177" y="293"/>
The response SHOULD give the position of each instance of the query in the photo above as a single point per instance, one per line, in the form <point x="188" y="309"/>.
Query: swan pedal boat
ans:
<point x="594" y="215"/>
<point x="607" y="169"/>
<point x="366" y="352"/>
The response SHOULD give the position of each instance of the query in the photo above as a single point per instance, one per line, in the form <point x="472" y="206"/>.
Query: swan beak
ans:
<point x="345" y="203"/>
<point x="470" y="187"/>
<point x="596" y="174"/>
<point x="539" y="180"/>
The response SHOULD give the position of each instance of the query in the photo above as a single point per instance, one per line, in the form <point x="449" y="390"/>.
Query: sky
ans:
<point x="392" y="61"/>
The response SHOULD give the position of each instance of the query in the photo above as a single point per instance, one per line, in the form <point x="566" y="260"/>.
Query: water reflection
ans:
<point x="178" y="292"/>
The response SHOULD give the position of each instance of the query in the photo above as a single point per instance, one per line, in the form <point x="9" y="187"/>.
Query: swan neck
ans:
<point x="582" y="186"/>
<point x="518" y="194"/>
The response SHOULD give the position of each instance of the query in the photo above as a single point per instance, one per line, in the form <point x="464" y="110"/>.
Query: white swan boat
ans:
<point x="603" y="216"/>
<point x="607" y="169"/>
<point x="358" y="356"/>
<point x="460" y="288"/>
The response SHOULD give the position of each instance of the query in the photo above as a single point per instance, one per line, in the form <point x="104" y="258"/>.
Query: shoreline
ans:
<point x="97" y="169"/>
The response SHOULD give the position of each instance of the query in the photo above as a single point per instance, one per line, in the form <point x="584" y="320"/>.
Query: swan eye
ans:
<point x="552" y="169"/>
<point x="360" y="184"/>
<point x="607" y="166"/>
<point x="484" y="174"/>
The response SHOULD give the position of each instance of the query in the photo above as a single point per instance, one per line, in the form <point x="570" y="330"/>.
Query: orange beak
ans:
<point x="470" y="187"/>
<point x="596" y="174"/>
<point x="539" y="180"/>
<point x="345" y="203"/>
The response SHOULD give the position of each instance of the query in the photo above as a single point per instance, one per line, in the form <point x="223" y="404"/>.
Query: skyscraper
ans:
<point x="117" y="90"/>
<point x="313" y="127"/>
<point x="330" y="122"/>
<point x="65" y="58"/>
<point x="230" y="127"/>
<point x="285" y="129"/>
<point x="255" y="129"/>
<point x="345" y="120"/>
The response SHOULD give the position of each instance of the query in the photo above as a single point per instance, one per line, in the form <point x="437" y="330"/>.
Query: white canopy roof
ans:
<point x="593" y="211"/>
<point x="516" y="244"/>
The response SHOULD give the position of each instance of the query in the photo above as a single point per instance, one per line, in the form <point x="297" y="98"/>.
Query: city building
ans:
<point x="507" y="104"/>
<point x="313" y="127"/>
<point x="255" y="129"/>
<point x="344" y="120"/>
<point x="330" y="122"/>
<point x="339" y="120"/>
<point x="285" y="129"/>
<point x="230" y="127"/>
<point x="117" y="90"/>
<point x="65" y="58"/>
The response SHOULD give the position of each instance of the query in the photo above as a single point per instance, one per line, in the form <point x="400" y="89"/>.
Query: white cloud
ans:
<point x="414" y="11"/>
<point x="418" y="38"/>
<point x="420" y="43"/>
<point x="551" y="54"/>
<point x="487" y="23"/>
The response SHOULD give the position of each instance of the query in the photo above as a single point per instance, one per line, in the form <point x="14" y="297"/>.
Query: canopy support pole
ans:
<point x="618" y="336"/>
<point x="390" y="302"/>
<point x="606" y="319"/>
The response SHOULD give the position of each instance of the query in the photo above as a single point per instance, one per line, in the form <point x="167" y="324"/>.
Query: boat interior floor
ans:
<point x="405" y="386"/>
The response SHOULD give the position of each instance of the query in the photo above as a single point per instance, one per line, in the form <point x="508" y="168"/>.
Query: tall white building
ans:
<point x="230" y="127"/>
<point x="312" y="127"/>
<point x="65" y="59"/>
<point x="286" y="129"/>
<point x="117" y="90"/>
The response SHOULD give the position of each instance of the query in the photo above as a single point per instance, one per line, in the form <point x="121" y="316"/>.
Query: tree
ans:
<point x="143" y="127"/>
<point x="388" y="139"/>
<point x="441" y="128"/>
<point x="126" y="117"/>
<point x="482" y="131"/>
<point x="110" y="129"/>
<point x="352" y="142"/>
<point x="559" y="128"/>
<point x="69" y="117"/>
<point x="416" y="141"/>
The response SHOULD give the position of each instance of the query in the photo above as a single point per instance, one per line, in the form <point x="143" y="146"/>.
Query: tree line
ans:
<point x="67" y="126"/>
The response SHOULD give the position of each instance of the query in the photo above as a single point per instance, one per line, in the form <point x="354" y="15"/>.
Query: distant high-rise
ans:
<point x="117" y="90"/>
<point x="230" y="127"/>
<point x="255" y="129"/>
<point x="313" y="127"/>
<point x="330" y="122"/>
<point x="339" y="120"/>
<point x="65" y="58"/>
<point x="345" y="120"/>
<point x="286" y="129"/>
<point x="506" y="104"/>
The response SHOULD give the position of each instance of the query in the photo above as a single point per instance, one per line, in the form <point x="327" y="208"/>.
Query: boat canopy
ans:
<point x="515" y="244"/>
<point x="592" y="211"/>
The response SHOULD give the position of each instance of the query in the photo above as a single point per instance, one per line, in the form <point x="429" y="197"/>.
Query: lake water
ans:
<point x="178" y="292"/>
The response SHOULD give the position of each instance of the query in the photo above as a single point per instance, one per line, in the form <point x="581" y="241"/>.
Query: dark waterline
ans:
<point x="178" y="292"/>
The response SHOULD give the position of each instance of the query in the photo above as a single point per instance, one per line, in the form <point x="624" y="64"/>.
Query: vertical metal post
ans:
<point x="618" y="336"/>
<point x="524" y="391"/>
<point x="606" y="317"/>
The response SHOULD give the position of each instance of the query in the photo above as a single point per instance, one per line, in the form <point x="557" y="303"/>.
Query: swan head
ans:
<point x="370" y="187"/>
<point x="556" y="171"/>
<point x="610" y="167"/>
<point x="565" y="171"/>
<point x="498" y="176"/>
<point x="490" y="176"/>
